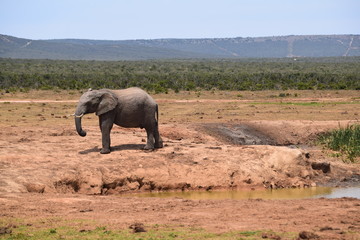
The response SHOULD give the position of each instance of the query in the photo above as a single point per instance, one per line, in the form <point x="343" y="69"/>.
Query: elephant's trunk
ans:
<point x="79" y="129"/>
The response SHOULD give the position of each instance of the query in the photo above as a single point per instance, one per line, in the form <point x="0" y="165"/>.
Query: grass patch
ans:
<point x="344" y="140"/>
<point x="60" y="229"/>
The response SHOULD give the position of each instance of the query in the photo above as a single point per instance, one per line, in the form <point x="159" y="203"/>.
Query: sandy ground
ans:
<point x="326" y="218"/>
<point x="52" y="172"/>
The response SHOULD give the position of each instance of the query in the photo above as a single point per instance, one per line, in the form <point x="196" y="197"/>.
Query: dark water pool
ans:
<point x="297" y="193"/>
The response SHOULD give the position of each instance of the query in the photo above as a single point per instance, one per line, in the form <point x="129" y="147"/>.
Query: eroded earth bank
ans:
<point x="53" y="172"/>
<point x="271" y="154"/>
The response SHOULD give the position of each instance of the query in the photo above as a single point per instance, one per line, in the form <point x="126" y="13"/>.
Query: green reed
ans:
<point x="344" y="140"/>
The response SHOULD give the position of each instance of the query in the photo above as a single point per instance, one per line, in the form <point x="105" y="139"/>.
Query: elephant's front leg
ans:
<point x="106" y="122"/>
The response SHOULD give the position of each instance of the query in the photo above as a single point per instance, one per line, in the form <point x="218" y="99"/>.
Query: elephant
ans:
<point x="129" y="108"/>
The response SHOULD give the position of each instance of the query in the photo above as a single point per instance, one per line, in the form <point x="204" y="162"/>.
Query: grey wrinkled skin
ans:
<point x="129" y="108"/>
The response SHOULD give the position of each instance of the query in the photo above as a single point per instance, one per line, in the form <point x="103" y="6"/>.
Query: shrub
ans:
<point x="345" y="140"/>
<point x="178" y="75"/>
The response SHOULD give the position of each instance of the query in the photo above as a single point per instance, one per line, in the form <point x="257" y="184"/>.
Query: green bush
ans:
<point x="344" y="140"/>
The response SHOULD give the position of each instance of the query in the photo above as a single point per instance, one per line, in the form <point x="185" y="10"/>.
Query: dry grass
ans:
<point x="221" y="106"/>
<point x="192" y="107"/>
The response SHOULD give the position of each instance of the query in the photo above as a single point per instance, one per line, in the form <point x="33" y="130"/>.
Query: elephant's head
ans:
<point x="98" y="101"/>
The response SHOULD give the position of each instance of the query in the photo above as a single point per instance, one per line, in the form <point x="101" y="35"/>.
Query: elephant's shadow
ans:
<point x="116" y="148"/>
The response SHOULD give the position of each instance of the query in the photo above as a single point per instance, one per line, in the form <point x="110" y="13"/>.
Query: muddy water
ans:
<point x="292" y="193"/>
<point x="239" y="134"/>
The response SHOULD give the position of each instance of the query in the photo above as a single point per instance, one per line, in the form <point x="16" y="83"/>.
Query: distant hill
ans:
<point x="260" y="47"/>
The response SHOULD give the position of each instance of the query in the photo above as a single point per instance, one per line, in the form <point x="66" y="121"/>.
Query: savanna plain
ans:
<point x="55" y="184"/>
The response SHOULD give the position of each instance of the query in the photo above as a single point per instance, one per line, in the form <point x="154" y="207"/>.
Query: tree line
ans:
<point x="178" y="75"/>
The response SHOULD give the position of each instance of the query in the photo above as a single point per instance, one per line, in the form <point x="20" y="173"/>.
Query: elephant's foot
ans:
<point x="105" y="151"/>
<point x="159" y="144"/>
<point x="149" y="148"/>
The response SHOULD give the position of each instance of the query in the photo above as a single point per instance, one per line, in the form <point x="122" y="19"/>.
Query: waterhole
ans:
<point x="276" y="194"/>
<point x="239" y="134"/>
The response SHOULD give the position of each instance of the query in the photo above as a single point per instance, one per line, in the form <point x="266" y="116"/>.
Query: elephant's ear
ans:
<point x="107" y="103"/>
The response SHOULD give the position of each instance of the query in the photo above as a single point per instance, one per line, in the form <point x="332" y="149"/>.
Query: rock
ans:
<point x="137" y="227"/>
<point x="5" y="230"/>
<point x="90" y="181"/>
<point x="300" y="184"/>
<point x="216" y="148"/>
<point x="305" y="173"/>
<point x="35" y="188"/>
<point x="270" y="236"/>
<point x="133" y="185"/>
<point x="307" y="235"/>
<point x="323" y="166"/>
<point x="248" y="181"/>
<point x="327" y="228"/>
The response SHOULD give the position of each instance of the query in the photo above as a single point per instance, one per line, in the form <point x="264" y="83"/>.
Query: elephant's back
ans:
<point x="132" y="90"/>
<point x="135" y="107"/>
<point x="134" y="95"/>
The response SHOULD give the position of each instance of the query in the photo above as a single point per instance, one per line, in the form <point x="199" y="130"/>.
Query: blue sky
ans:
<point x="153" y="19"/>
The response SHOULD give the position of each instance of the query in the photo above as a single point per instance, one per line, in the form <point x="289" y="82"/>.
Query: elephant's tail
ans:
<point x="157" y="115"/>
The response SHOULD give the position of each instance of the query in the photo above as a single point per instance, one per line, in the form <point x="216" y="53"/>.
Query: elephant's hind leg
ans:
<point x="158" y="140"/>
<point x="150" y="139"/>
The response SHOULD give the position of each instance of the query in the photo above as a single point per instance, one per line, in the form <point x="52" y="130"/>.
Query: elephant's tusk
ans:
<point x="80" y="116"/>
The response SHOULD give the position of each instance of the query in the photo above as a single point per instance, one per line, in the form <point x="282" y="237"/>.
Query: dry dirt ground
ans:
<point x="47" y="170"/>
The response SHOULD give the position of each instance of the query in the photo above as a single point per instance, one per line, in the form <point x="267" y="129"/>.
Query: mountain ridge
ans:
<point x="174" y="48"/>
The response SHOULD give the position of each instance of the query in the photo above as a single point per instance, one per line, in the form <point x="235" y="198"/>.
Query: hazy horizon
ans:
<point x="179" y="38"/>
